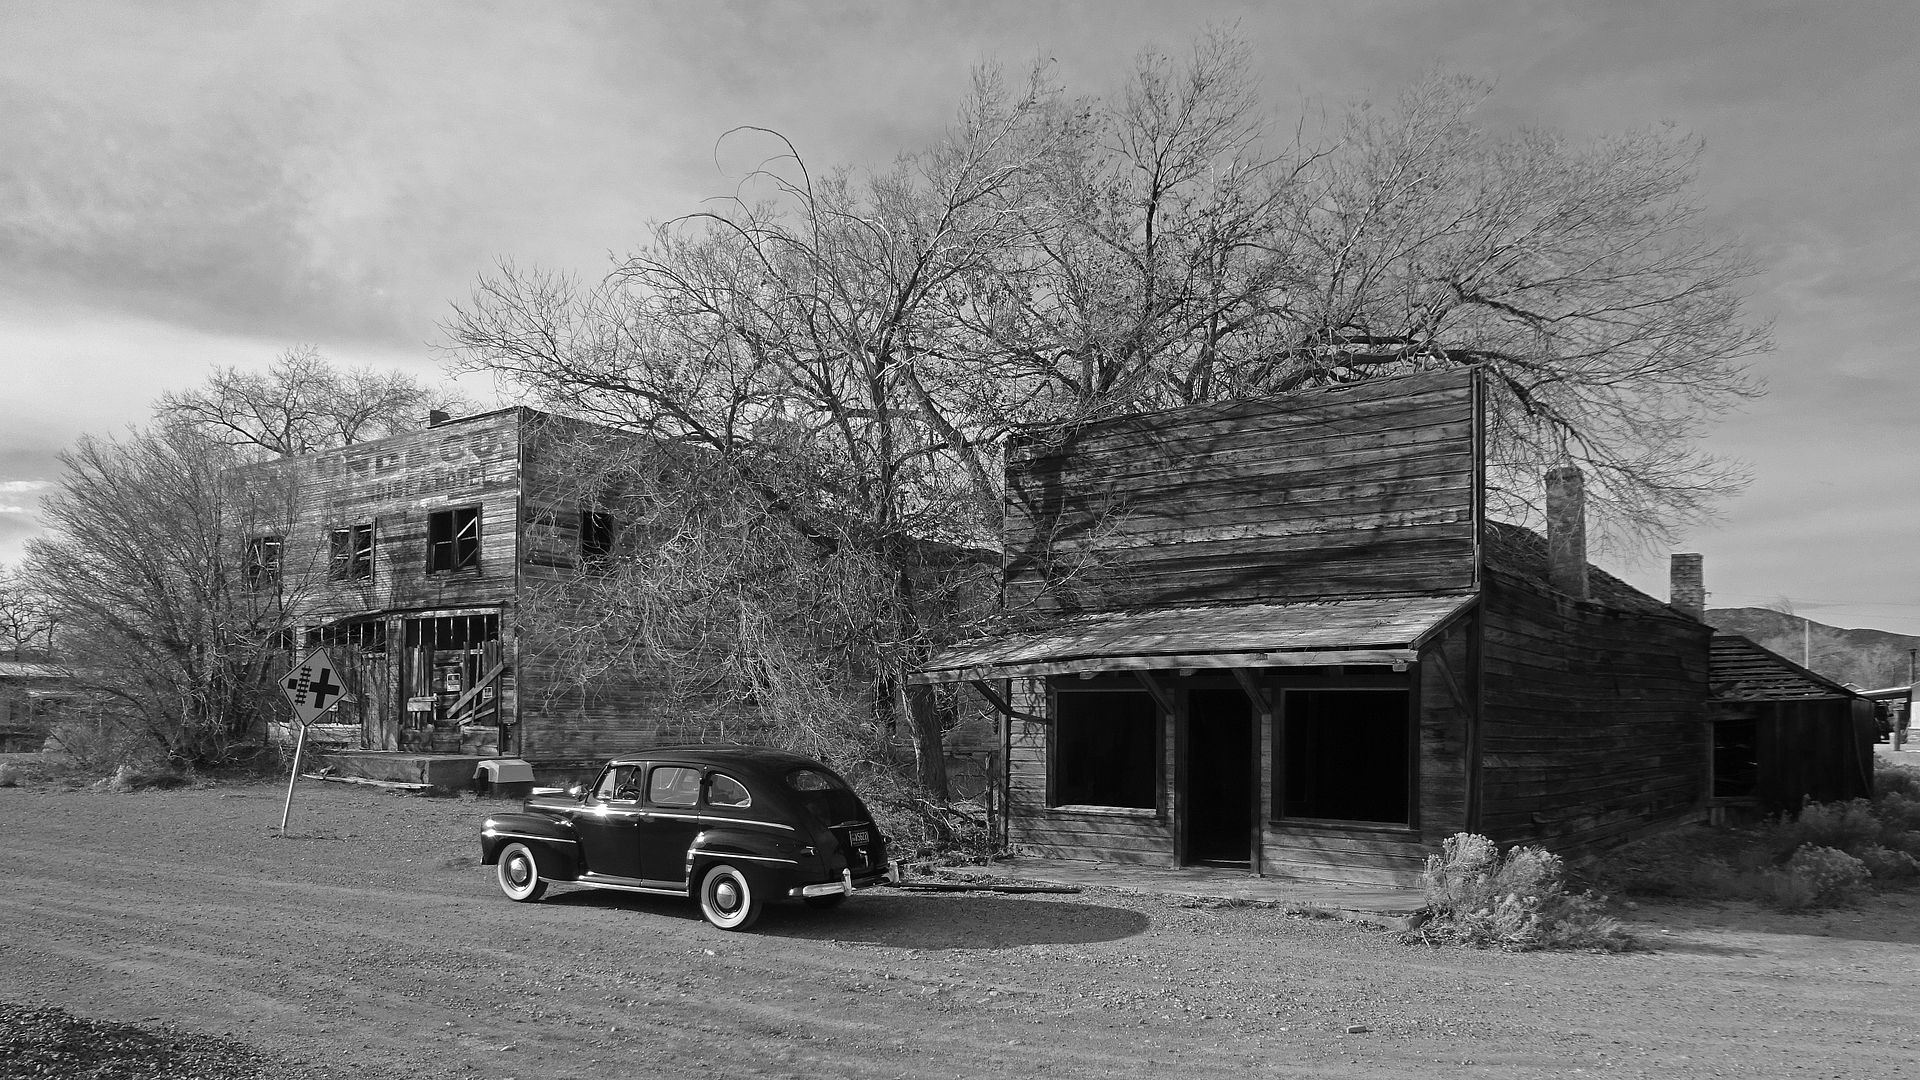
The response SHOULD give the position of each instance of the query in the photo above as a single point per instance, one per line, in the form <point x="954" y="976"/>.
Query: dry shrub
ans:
<point x="1519" y="901"/>
<point x="1817" y="877"/>
<point x="1889" y="866"/>
<point x="1825" y="856"/>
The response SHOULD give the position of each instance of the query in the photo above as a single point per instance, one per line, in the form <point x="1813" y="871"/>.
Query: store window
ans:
<point x="1345" y="755"/>
<point x="1105" y="749"/>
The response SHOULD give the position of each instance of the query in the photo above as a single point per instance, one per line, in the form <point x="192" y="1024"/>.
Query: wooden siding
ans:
<point x="396" y="484"/>
<point x="1593" y="719"/>
<point x="1807" y="749"/>
<point x="1367" y="490"/>
<point x="1137" y="837"/>
<point x="1346" y="854"/>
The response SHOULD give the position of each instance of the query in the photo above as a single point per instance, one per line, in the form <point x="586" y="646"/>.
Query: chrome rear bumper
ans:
<point x="845" y="886"/>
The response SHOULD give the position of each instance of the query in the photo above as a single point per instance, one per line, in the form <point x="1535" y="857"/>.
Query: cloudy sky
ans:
<point x="191" y="184"/>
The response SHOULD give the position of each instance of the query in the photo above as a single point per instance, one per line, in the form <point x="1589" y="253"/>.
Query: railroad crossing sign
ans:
<point x="312" y="687"/>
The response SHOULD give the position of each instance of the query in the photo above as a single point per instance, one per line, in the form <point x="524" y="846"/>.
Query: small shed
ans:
<point x="1784" y="735"/>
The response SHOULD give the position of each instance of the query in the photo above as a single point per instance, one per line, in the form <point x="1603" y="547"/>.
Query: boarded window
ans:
<point x="263" y="561"/>
<point x="1105" y="749"/>
<point x="453" y="539"/>
<point x="1344" y="755"/>
<point x="350" y="553"/>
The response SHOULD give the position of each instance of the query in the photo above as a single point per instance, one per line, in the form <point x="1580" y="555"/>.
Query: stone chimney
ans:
<point x="436" y="417"/>
<point x="1567" y="531"/>
<point x="1687" y="586"/>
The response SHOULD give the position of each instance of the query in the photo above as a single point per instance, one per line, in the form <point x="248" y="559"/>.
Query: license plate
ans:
<point x="858" y="836"/>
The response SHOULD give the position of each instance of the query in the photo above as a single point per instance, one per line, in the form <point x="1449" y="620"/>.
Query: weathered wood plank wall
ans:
<point x="1363" y="491"/>
<point x="1594" y="722"/>
<point x="1138" y="837"/>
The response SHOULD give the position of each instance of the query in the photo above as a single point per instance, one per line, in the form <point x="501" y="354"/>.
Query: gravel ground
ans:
<point x="182" y="936"/>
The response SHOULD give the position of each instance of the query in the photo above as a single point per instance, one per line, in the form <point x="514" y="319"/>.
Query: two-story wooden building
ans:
<point x="410" y="559"/>
<point x="1281" y="634"/>
<point x="430" y="565"/>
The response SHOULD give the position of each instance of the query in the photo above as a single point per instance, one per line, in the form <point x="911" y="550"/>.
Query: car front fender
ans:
<point x="551" y="836"/>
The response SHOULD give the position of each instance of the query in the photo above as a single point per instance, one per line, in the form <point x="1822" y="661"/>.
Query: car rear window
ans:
<point x="815" y="780"/>
<point x="826" y="798"/>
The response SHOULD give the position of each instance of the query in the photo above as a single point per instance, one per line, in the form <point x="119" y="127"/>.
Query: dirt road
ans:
<point x="369" y="944"/>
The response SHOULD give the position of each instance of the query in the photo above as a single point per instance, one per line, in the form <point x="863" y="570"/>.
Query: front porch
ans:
<point x="441" y="772"/>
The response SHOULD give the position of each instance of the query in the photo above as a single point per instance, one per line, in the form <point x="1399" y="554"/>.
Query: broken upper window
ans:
<point x="350" y="553"/>
<point x="596" y="535"/>
<point x="453" y="539"/>
<point x="263" y="560"/>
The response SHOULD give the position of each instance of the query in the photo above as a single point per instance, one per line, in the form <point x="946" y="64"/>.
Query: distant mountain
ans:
<point x="1866" y="658"/>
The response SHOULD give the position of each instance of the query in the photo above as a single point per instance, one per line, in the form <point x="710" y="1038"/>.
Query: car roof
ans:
<point x="763" y="757"/>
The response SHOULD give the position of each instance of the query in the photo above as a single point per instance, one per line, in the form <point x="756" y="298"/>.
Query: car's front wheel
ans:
<point x="728" y="899"/>
<point x="519" y="874"/>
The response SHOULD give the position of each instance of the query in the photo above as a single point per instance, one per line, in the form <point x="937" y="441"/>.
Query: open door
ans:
<point x="1218" y="781"/>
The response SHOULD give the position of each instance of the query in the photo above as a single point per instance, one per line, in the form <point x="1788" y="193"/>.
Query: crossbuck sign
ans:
<point x="312" y="687"/>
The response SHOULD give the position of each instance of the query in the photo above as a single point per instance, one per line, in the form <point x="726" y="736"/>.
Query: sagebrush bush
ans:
<point x="1889" y="865"/>
<point x="1841" y="826"/>
<point x="1833" y="877"/>
<point x="1479" y="897"/>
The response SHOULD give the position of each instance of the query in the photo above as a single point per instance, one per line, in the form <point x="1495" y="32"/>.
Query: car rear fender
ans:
<point x="753" y="850"/>
<point x="552" y="840"/>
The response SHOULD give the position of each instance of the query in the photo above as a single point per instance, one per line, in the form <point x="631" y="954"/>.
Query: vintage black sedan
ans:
<point x="732" y="826"/>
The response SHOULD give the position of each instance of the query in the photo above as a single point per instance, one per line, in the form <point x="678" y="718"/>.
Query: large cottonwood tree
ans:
<point x="853" y="344"/>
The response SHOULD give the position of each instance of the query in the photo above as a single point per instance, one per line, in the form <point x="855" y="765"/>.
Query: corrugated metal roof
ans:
<point x="1381" y="630"/>
<point x="1741" y="670"/>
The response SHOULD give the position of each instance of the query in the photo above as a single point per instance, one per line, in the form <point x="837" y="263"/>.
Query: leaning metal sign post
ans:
<point x="312" y="689"/>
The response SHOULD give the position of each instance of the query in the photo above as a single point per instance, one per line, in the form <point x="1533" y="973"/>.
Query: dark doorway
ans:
<point x="1219" y="777"/>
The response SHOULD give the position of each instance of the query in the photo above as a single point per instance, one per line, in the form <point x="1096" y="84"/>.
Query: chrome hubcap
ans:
<point x="726" y="896"/>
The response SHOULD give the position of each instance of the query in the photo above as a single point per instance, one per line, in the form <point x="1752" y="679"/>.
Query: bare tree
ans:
<point x="27" y="618"/>
<point x="1183" y="252"/>
<point x="795" y="342"/>
<point x="302" y="403"/>
<point x="853" y="346"/>
<point x="172" y="587"/>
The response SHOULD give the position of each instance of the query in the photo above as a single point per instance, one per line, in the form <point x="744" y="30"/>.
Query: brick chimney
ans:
<point x="1567" y="531"/>
<point x="1687" y="587"/>
<point x="436" y="417"/>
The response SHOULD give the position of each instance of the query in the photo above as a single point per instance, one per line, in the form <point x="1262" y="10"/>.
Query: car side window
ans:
<point x="724" y="790"/>
<point x="673" y="785"/>
<point x="620" y="782"/>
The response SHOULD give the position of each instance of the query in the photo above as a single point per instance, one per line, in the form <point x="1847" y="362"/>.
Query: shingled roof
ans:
<point x="1521" y="552"/>
<point x="1740" y="670"/>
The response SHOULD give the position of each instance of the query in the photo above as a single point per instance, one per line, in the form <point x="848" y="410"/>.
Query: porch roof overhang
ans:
<point x="1374" y="630"/>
